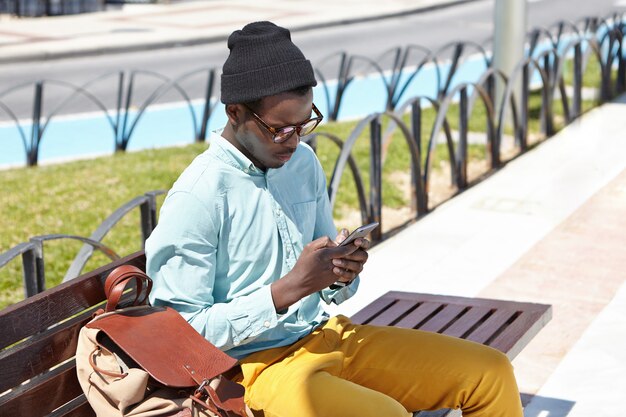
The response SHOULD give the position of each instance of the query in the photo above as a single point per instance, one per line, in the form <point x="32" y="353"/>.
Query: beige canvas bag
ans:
<point x="144" y="361"/>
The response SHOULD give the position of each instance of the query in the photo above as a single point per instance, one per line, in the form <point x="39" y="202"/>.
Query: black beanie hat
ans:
<point x="263" y="62"/>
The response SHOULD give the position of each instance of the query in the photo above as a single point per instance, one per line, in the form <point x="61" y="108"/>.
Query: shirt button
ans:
<point x="266" y="324"/>
<point x="236" y="343"/>
<point x="246" y="170"/>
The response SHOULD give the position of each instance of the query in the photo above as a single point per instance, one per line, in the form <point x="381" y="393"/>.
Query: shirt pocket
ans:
<point x="304" y="220"/>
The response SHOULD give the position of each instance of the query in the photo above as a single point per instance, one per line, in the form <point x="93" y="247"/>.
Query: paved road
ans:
<point x="471" y="21"/>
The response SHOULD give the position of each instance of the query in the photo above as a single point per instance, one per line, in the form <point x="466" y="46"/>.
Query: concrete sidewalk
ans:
<point x="547" y="228"/>
<point x="149" y="26"/>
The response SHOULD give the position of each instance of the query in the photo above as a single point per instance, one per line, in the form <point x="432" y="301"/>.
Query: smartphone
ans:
<point x="362" y="231"/>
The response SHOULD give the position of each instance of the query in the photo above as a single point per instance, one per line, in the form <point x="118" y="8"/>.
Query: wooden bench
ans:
<point x="38" y="336"/>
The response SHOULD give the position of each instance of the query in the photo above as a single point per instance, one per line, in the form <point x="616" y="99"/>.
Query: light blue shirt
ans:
<point x="226" y="231"/>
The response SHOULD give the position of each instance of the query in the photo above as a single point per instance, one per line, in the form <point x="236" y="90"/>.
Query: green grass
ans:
<point x="75" y="197"/>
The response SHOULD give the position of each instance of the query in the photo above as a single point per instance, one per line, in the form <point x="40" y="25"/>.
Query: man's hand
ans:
<point x="348" y="267"/>
<point x="316" y="270"/>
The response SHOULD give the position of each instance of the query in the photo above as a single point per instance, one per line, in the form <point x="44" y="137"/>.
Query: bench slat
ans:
<point x="390" y="315"/>
<point x="43" y="396"/>
<point x="443" y="319"/>
<point x="372" y="310"/>
<point x="470" y="320"/>
<point x="78" y="407"/>
<point x="40" y="353"/>
<point x="37" y="313"/>
<point x="517" y="335"/>
<point x="420" y="315"/>
<point x="487" y="330"/>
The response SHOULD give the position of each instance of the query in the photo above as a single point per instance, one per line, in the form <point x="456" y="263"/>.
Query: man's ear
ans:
<point x="235" y="114"/>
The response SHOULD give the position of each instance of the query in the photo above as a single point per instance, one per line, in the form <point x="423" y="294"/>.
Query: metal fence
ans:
<point x="577" y="44"/>
<point x="32" y="252"/>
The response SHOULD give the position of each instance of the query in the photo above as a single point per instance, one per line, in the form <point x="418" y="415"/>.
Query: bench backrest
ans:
<point x="38" y="340"/>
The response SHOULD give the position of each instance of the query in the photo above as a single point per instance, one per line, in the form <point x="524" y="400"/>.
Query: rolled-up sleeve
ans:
<point x="182" y="260"/>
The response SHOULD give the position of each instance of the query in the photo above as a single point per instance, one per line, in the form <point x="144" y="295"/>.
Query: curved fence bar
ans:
<point x="167" y="84"/>
<point x="460" y="153"/>
<point x="148" y="210"/>
<point x="429" y="58"/>
<point x="32" y="252"/>
<point x="354" y="169"/>
<point x="614" y="39"/>
<point x="459" y="50"/>
<point x="487" y="92"/>
<point x="342" y="79"/>
<point x="76" y="91"/>
<point x="32" y="263"/>
<point x="372" y="212"/>
<point x="521" y="119"/>
<point x="199" y="128"/>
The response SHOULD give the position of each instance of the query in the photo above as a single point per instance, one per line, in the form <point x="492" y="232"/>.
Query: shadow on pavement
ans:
<point x="538" y="406"/>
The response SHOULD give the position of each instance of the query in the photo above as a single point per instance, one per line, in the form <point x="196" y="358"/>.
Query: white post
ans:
<point x="510" y="20"/>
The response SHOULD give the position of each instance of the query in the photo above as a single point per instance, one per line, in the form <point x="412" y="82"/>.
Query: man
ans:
<point x="243" y="251"/>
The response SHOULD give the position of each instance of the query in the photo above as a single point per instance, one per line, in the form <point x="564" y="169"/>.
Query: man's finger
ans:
<point x="344" y="274"/>
<point x="343" y="234"/>
<point x="342" y="251"/>
<point x="363" y="243"/>
<point x="359" y="255"/>
<point x="351" y="266"/>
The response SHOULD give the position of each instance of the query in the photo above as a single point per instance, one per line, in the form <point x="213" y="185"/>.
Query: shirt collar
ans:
<point x="230" y="155"/>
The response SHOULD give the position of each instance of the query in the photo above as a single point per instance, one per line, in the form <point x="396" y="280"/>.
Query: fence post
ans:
<point x="621" y="67"/>
<point x="462" y="153"/>
<point x="342" y="83"/>
<point x="35" y="136"/>
<point x="120" y="95"/>
<point x="34" y="274"/>
<point x="578" y="81"/>
<point x="523" y="126"/>
<point x="546" y="98"/>
<point x="148" y="211"/>
<point x="206" y="114"/>
<point x="122" y="141"/>
<point x="419" y="203"/>
<point x="376" y="177"/>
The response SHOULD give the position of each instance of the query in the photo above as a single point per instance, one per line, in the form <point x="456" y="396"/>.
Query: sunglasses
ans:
<point x="281" y="134"/>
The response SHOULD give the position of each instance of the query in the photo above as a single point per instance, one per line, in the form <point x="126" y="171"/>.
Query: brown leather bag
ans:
<point x="148" y="361"/>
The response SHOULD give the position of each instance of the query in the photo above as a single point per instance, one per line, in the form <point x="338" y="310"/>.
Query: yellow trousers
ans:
<point x="343" y="370"/>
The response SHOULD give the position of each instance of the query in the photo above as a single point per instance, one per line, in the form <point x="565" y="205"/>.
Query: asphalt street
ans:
<point x="433" y="29"/>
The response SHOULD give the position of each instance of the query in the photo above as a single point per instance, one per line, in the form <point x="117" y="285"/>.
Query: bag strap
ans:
<point x="118" y="280"/>
<point x="96" y="368"/>
<point x="220" y="393"/>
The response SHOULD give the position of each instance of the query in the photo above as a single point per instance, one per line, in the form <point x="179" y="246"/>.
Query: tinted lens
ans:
<point x="284" y="133"/>
<point x="308" y="127"/>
